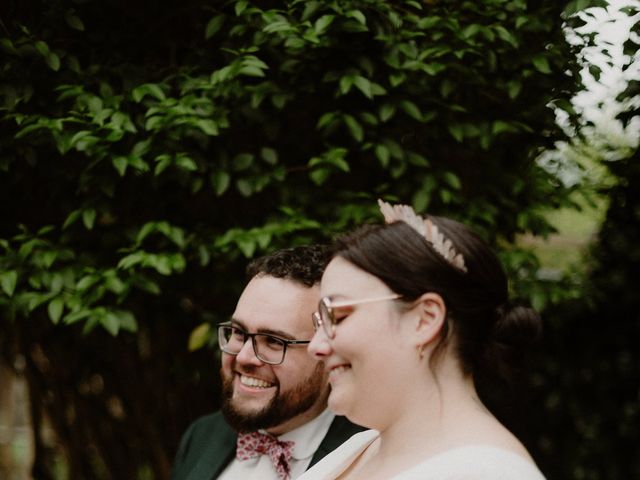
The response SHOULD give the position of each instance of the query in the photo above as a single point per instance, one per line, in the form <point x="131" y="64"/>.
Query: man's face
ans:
<point x="280" y="397"/>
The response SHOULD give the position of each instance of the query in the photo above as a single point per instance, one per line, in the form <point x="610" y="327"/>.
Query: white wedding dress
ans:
<point x="473" y="462"/>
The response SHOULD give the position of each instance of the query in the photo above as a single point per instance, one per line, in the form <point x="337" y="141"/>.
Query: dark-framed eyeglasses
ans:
<point x="325" y="317"/>
<point x="267" y="348"/>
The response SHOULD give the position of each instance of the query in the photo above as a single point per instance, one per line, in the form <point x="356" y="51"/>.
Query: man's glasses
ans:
<point x="325" y="317"/>
<point x="268" y="349"/>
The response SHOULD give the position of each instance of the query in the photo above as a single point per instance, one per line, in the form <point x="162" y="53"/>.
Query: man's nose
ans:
<point x="247" y="355"/>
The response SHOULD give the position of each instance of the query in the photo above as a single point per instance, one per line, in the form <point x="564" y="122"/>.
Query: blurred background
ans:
<point x="149" y="150"/>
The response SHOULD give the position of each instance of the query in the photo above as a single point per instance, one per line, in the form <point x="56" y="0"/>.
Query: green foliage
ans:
<point x="588" y="370"/>
<point x="139" y="169"/>
<point x="425" y="104"/>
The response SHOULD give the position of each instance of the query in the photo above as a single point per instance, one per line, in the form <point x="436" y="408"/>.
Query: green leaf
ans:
<point x="42" y="47"/>
<point x="163" y="162"/>
<point x="220" y="181"/>
<point x="244" y="187"/>
<point x="457" y="131"/>
<point x="471" y="31"/>
<point x="141" y="148"/>
<point x="396" y="79"/>
<point x="8" y="280"/>
<point x="521" y="20"/>
<point x="146" y="284"/>
<point x="383" y="155"/>
<point x="411" y="109"/>
<point x="76" y="316"/>
<point x="269" y="155"/>
<point x="142" y="91"/>
<point x="127" y="320"/>
<point x="88" y="218"/>
<point x="322" y="24"/>
<point x="241" y="7"/>
<point x="500" y="126"/>
<point x="354" y="127"/>
<point x="147" y="229"/>
<point x="452" y="180"/>
<point x="513" y="88"/>
<point x="55" y="308"/>
<point x="364" y="85"/>
<point x="506" y="35"/>
<point x="242" y="161"/>
<point x="48" y="258"/>
<point x="86" y="282"/>
<point x="446" y="88"/>
<point x="247" y="246"/>
<point x="186" y="163"/>
<point x="420" y="200"/>
<point x="418" y="160"/>
<point x="71" y="219"/>
<point x="53" y="60"/>
<point x="395" y="19"/>
<point x="542" y="64"/>
<point x="387" y="111"/>
<point x="111" y="323"/>
<point x="120" y="164"/>
<point x="74" y="21"/>
<point x="358" y="15"/>
<point x="251" y="71"/>
<point x="214" y="26"/>
<point x="208" y="126"/>
<point x="199" y="337"/>
<point x="346" y="82"/>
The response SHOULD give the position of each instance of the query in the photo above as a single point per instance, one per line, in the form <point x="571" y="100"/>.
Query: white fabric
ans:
<point x="307" y="437"/>
<point x="473" y="462"/>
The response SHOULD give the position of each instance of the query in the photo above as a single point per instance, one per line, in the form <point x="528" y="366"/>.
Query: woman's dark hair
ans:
<point x="487" y="330"/>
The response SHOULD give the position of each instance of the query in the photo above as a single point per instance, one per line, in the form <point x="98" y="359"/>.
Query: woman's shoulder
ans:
<point x="341" y="458"/>
<point x="477" y="462"/>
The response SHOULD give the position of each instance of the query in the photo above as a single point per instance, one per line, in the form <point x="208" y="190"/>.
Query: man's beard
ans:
<point x="281" y="407"/>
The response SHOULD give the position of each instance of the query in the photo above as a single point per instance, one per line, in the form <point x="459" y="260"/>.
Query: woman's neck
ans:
<point x="429" y="419"/>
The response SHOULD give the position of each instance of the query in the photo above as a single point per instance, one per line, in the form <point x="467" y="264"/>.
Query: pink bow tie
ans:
<point x="253" y="444"/>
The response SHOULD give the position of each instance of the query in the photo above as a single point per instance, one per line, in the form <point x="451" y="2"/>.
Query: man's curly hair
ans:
<point x="304" y="264"/>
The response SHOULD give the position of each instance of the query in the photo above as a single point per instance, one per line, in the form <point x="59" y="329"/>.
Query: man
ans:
<point x="269" y="382"/>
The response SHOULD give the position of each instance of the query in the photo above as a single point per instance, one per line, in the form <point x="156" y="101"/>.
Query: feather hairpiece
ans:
<point x="426" y="228"/>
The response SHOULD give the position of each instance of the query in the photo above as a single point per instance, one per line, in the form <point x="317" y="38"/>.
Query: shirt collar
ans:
<point x="308" y="437"/>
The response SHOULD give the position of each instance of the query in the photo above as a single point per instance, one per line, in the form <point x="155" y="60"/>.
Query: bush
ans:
<point x="148" y="152"/>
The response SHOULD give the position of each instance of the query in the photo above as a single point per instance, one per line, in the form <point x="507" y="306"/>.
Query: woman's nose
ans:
<point x="320" y="346"/>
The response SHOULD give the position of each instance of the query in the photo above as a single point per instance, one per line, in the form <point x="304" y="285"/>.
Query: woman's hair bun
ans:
<point x="517" y="325"/>
<point x="516" y="328"/>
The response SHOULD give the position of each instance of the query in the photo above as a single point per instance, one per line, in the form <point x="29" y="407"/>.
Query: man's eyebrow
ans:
<point x="267" y="331"/>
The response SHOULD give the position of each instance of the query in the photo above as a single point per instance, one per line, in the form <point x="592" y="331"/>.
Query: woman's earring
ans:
<point x="421" y="351"/>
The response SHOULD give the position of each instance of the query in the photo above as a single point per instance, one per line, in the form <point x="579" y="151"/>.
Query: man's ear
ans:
<point x="432" y="313"/>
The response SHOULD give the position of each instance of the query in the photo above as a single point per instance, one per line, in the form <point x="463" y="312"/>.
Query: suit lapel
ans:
<point x="340" y="431"/>
<point x="220" y="452"/>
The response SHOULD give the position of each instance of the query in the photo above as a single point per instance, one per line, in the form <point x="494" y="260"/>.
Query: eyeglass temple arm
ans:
<point x="348" y="303"/>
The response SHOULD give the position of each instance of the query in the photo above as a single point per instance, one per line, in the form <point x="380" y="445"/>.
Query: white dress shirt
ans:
<point x="307" y="439"/>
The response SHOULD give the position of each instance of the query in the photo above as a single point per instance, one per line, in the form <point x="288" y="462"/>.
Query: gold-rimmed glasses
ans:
<point x="325" y="316"/>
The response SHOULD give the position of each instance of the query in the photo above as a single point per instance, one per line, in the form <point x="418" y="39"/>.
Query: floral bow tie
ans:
<point x="253" y="444"/>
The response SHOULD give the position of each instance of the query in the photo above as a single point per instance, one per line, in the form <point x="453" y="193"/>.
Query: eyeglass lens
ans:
<point x="325" y="312"/>
<point x="267" y="348"/>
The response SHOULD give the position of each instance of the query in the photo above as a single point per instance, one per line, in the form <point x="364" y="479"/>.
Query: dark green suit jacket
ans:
<point x="209" y="445"/>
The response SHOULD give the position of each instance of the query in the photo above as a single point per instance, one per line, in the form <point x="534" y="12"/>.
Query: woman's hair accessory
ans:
<point x="426" y="228"/>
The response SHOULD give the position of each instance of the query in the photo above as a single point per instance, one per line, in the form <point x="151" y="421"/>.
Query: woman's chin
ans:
<point x="336" y="404"/>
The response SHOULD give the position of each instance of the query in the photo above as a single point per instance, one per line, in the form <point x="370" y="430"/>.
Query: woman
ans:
<point x="411" y="312"/>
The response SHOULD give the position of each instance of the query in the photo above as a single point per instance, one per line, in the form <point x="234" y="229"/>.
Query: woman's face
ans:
<point x="367" y="359"/>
